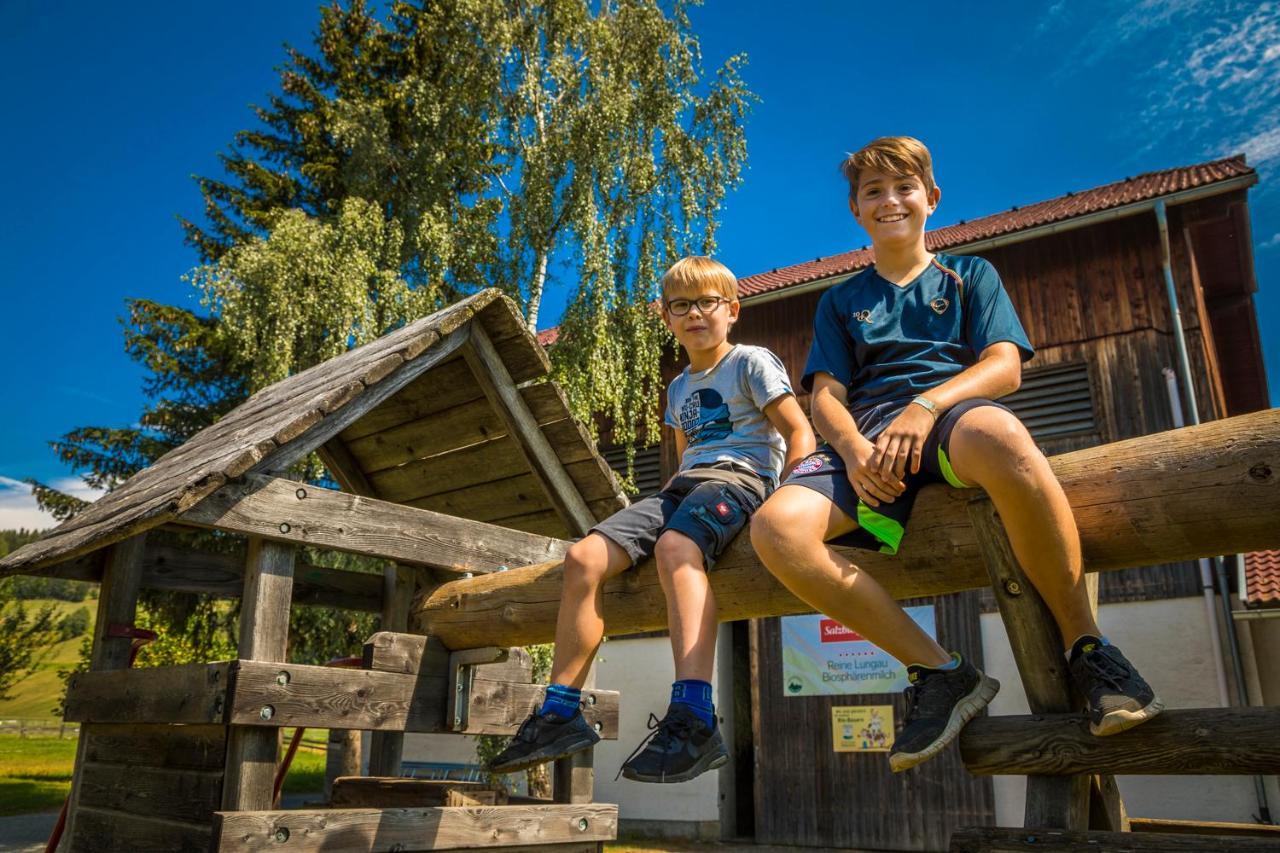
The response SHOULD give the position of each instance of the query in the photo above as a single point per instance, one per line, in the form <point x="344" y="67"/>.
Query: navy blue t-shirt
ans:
<point x="887" y="344"/>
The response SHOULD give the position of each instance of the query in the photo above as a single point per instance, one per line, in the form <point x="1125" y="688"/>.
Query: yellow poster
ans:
<point x="862" y="728"/>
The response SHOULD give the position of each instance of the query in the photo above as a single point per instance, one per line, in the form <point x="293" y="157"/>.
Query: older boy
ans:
<point x="906" y="361"/>
<point x="737" y="426"/>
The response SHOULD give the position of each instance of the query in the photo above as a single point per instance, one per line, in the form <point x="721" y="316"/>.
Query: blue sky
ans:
<point x="110" y="108"/>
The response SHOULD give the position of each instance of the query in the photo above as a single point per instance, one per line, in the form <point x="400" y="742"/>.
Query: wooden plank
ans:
<point x="1061" y="802"/>
<point x="181" y="794"/>
<point x="445" y="386"/>
<point x="287" y="511"/>
<point x="1147" y="508"/>
<point x="383" y="793"/>
<point x="387" y="748"/>
<point x="497" y="707"/>
<point x="104" y="831"/>
<point x="1202" y="741"/>
<point x="264" y="636"/>
<point x="573" y="778"/>
<point x="342" y="830"/>
<point x="326" y="697"/>
<point x="514" y="496"/>
<point x="500" y="389"/>
<point x="344" y="467"/>
<point x="190" y="747"/>
<point x="191" y="693"/>
<point x="390" y="651"/>
<point x="993" y="839"/>
<point x="1195" y="827"/>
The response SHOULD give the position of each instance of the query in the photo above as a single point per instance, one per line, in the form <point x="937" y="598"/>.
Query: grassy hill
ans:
<point x="35" y="697"/>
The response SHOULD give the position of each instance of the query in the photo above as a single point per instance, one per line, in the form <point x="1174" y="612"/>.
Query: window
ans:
<point x="648" y="467"/>
<point x="1055" y="401"/>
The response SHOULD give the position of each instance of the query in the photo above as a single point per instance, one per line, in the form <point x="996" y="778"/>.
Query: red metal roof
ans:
<point x="1144" y="187"/>
<point x="1262" y="577"/>
<point x="1141" y="188"/>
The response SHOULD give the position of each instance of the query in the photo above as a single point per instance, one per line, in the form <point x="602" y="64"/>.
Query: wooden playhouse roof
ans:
<point x="404" y="418"/>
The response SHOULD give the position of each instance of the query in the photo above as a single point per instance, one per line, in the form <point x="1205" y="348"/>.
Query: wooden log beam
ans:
<point x="1179" y="495"/>
<point x="386" y="749"/>
<point x="177" y="569"/>
<point x="996" y="839"/>
<point x="351" y="830"/>
<point x="364" y="792"/>
<point x="301" y="514"/>
<point x="191" y="693"/>
<point x="1203" y="741"/>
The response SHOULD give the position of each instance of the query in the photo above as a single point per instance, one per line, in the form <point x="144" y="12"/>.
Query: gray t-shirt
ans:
<point x="721" y="411"/>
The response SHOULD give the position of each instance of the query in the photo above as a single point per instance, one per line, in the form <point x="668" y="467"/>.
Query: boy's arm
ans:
<point x="788" y="419"/>
<point x="831" y="417"/>
<point x="997" y="372"/>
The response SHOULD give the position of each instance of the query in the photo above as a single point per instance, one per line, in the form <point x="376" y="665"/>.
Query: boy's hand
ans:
<point x="868" y="482"/>
<point x="902" y="442"/>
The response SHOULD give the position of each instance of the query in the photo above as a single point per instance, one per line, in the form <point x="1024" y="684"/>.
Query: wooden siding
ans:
<point x="808" y="794"/>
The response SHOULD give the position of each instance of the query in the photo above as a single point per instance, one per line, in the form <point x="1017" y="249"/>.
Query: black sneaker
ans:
<point x="1118" y="696"/>
<point x="679" y="748"/>
<point x="542" y="738"/>
<point x="939" y="703"/>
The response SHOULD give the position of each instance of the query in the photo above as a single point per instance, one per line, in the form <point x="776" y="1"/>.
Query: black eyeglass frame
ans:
<point x="716" y="302"/>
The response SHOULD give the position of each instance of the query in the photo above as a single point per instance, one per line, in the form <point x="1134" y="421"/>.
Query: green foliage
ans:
<point x="26" y="588"/>
<point x="74" y="624"/>
<point x="25" y="637"/>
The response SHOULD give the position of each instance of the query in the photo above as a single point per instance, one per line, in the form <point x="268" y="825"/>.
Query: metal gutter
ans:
<point x="1132" y="209"/>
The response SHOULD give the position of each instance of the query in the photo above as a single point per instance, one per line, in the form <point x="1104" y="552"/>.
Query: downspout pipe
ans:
<point x="1184" y="369"/>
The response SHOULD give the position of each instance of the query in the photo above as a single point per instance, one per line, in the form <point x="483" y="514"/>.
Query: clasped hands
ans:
<point x="878" y="468"/>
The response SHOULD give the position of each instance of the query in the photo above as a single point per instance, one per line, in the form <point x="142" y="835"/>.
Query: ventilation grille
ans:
<point x="648" y="467"/>
<point x="1054" y="401"/>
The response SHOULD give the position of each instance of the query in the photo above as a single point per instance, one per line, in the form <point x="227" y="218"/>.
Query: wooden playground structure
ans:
<point x="459" y="461"/>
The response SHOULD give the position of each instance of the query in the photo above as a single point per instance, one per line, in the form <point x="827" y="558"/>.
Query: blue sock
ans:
<point x="561" y="701"/>
<point x="697" y="696"/>
<point x="954" y="663"/>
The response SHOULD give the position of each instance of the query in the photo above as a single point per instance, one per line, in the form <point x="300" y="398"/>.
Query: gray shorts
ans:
<point x="708" y="504"/>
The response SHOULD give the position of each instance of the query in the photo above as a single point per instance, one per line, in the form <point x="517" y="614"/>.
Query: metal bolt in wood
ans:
<point x="284" y="527"/>
<point x="267" y="712"/>
<point x="283" y="678"/>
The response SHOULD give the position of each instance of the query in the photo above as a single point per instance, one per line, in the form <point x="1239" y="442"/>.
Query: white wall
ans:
<point x="1166" y="641"/>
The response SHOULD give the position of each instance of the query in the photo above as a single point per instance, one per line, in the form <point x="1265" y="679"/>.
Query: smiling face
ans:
<point x="699" y="330"/>
<point x="892" y="208"/>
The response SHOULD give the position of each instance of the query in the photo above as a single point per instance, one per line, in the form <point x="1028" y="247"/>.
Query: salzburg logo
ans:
<point x="833" y="632"/>
<point x="940" y="305"/>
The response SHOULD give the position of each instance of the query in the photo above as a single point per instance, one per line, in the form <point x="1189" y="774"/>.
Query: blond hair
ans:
<point x="696" y="274"/>
<point x="898" y="156"/>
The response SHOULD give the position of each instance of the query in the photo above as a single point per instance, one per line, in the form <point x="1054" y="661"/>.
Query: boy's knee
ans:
<point x="772" y="525"/>
<point x="674" y="549"/>
<point x="585" y="562"/>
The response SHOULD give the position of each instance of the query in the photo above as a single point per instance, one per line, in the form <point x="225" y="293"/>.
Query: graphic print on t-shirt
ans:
<point x="704" y="416"/>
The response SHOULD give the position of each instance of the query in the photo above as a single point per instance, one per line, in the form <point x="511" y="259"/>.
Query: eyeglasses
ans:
<point x="706" y="304"/>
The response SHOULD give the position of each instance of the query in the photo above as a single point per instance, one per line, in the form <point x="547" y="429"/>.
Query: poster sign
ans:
<point x="821" y="657"/>
<point x="862" y="728"/>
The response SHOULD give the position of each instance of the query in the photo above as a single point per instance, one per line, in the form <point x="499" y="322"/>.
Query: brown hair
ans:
<point x="693" y="275"/>
<point x="899" y="156"/>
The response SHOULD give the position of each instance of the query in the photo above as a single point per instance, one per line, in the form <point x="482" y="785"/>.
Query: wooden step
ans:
<point x="994" y="839"/>
<point x="393" y="792"/>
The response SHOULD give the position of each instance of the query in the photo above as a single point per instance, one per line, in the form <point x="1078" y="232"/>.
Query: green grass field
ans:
<point x="38" y="693"/>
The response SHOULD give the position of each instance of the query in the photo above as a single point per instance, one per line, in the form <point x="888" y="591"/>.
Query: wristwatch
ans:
<point x="926" y="404"/>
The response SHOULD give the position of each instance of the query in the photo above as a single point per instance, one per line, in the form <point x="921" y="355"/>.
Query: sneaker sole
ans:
<point x="710" y="761"/>
<point x="550" y="752"/>
<point x="1119" y="721"/>
<point x="964" y="711"/>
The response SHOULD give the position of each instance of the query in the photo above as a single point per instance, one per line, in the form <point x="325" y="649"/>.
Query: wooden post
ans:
<point x="494" y="378"/>
<point x="117" y="605"/>
<point x="387" y="748"/>
<point x="342" y="758"/>
<point x="574" y="777"/>
<point x="1054" y="802"/>
<point x="264" y="636"/>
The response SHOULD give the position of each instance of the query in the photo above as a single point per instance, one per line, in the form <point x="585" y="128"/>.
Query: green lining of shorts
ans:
<point x="945" y="464"/>
<point x="881" y="527"/>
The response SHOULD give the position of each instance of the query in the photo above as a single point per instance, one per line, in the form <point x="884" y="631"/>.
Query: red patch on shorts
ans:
<point x="723" y="509"/>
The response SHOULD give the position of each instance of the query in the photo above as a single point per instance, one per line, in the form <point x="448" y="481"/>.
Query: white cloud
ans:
<point x="1272" y="243"/>
<point x="18" y="506"/>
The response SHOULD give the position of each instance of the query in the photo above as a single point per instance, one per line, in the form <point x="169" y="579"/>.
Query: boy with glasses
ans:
<point x="737" y="428"/>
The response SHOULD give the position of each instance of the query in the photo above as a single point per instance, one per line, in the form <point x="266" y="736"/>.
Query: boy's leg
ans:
<point x="789" y="534"/>
<point x="580" y="623"/>
<point x="990" y="447"/>
<point x="691" y="605"/>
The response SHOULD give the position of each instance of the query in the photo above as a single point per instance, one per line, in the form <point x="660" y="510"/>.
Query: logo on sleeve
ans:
<point x="940" y="305"/>
<point x="863" y="316"/>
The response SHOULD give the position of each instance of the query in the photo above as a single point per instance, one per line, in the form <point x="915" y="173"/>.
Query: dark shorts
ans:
<point x="710" y="505"/>
<point x="881" y="528"/>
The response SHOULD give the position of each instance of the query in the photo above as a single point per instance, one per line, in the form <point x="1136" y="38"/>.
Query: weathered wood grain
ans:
<point x="386" y="748"/>
<point x="1137" y="502"/>
<point x="498" y="707"/>
<point x="279" y="694"/>
<point x="1205" y="741"/>
<point x="344" y="468"/>
<point x="342" y="830"/>
<point x="191" y="693"/>
<point x="190" y="747"/>
<point x="993" y="839"/>
<point x="515" y="496"/>
<point x="171" y="793"/>
<point x="500" y="389"/>
<point x="300" y="513"/>
<point x="382" y="793"/>
<point x="104" y="831"/>
<point x="1196" y="827"/>
<point x="391" y="651"/>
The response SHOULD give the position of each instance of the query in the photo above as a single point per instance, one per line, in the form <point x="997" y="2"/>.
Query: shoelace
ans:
<point x="662" y="733"/>
<point x="932" y="701"/>
<point x="527" y="733"/>
<point x="1106" y="668"/>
